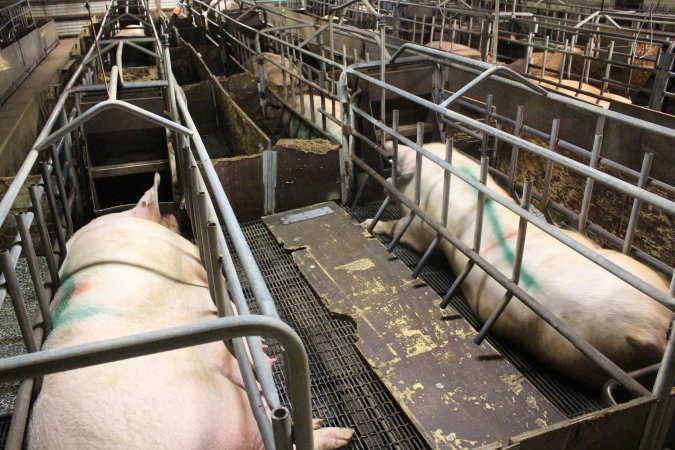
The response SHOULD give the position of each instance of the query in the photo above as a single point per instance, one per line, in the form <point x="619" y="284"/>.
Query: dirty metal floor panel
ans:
<point x="437" y="274"/>
<point x="459" y="395"/>
<point x="345" y="392"/>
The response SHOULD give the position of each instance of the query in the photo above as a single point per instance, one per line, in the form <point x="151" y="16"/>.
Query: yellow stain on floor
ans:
<point x="514" y="382"/>
<point x="415" y="341"/>
<point x="407" y="393"/>
<point x="358" y="265"/>
<point x="451" y="441"/>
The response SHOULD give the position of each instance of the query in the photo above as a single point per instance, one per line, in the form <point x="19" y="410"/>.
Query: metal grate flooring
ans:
<point x="345" y="392"/>
<point x="438" y="275"/>
<point x="5" y="421"/>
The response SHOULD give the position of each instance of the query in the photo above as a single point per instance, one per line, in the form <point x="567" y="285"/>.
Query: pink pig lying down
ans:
<point x="127" y="273"/>
<point x="624" y="324"/>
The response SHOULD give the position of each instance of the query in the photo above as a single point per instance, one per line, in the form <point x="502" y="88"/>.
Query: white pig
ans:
<point x="275" y="75"/>
<point x="128" y="273"/>
<point x="218" y="5"/>
<point x="625" y="325"/>
<point x="455" y="48"/>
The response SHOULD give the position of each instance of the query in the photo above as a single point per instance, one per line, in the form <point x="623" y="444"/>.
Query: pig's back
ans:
<point x="124" y="276"/>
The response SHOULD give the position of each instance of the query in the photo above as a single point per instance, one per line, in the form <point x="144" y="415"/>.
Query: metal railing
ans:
<point x="16" y="20"/>
<point x="615" y="58"/>
<point x="485" y="130"/>
<point x="207" y="206"/>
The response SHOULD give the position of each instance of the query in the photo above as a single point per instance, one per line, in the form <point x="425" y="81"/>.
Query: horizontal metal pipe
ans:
<point x="83" y="355"/>
<point x="103" y="106"/>
<point x="578" y="104"/>
<point x="575" y="149"/>
<point x="619" y="185"/>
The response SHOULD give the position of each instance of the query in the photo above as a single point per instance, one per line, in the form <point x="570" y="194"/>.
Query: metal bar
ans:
<point x="51" y="201"/>
<point x="515" y="277"/>
<point x="114" y="75"/>
<point x="224" y="306"/>
<point x="83" y="355"/>
<point x="31" y="259"/>
<point x="656" y="427"/>
<point x="444" y="209"/>
<point x="205" y="247"/>
<point x="635" y="211"/>
<point x="588" y="189"/>
<point x="63" y="194"/>
<point x="478" y="232"/>
<point x="17" y="300"/>
<point x="514" y="150"/>
<point x="552" y="145"/>
<point x="281" y="424"/>
<point x="44" y="235"/>
<point x="103" y="106"/>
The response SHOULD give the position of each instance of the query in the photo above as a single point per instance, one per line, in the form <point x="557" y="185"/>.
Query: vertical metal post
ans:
<point x="51" y="201"/>
<point x="495" y="33"/>
<point x="588" y="190"/>
<point x="515" y="277"/>
<point x="418" y="186"/>
<point x="514" y="151"/>
<point x="553" y="143"/>
<point x="17" y="301"/>
<point x="444" y="210"/>
<point x="637" y="203"/>
<point x="281" y="426"/>
<point x="63" y="195"/>
<point x="31" y="259"/>
<point x="202" y="199"/>
<point x="44" y="235"/>
<point x="486" y="136"/>
<point x="480" y="206"/>
<point x="656" y="427"/>
<point x="345" y="151"/>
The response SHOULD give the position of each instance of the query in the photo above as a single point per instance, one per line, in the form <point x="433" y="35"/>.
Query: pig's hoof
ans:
<point x="366" y="223"/>
<point x="331" y="437"/>
<point x="317" y="423"/>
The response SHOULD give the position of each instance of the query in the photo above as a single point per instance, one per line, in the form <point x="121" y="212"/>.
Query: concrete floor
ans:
<point x="22" y="115"/>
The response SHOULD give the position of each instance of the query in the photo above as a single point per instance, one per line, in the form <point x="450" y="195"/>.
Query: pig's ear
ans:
<point x="406" y="161"/>
<point x="148" y="206"/>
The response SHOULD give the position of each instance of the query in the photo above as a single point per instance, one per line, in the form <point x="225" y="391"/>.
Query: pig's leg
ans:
<point x="331" y="438"/>
<point x="413" y="237"/>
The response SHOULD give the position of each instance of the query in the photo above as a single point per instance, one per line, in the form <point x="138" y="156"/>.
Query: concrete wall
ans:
<point x="24" y="55"/>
